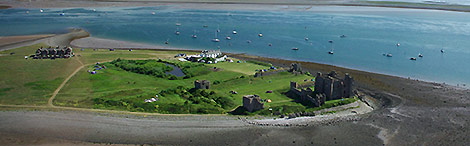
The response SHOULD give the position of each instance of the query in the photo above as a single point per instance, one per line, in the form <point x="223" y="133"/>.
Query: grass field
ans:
<point x="32" y="82"/>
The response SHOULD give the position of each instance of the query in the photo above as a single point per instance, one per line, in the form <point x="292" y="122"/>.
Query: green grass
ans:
<point x="31" y="82"/>
<point x="117" y="85"/>
<point x="245" y="68"/>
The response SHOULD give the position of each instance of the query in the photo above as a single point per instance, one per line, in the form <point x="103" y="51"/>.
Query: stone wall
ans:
<point x="252" y="103"/>
<point x="204" y="84"/>
<point x="332" y="86"/>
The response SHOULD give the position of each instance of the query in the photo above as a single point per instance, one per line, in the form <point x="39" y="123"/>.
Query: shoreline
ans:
<point x="148" y="3"/>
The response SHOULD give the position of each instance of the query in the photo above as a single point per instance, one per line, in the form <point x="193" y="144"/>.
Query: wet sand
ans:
<point x="7" y="40"/>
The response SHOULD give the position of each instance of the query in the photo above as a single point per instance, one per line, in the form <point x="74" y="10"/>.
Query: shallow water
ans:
<point x="176" y="71"/>
<point x="370" y="33"/>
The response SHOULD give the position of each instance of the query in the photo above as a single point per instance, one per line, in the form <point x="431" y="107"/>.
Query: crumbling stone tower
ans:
<point x="204" y="84"/>
<point x="332" y="86"/>
<point x="252" y="103"/>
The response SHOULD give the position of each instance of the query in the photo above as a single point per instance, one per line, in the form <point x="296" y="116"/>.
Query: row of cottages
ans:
<point x="327" y="87"/>
<point x="216" y="54"/>
<point x="45" y="53"/>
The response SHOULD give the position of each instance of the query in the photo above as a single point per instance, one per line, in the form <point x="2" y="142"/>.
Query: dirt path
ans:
<point x="50" y="102"/>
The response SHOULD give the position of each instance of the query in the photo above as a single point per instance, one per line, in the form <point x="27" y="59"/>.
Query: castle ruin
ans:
<point x="306" y="94"/>
<point x="252" y="103"/>
<point x="295" y="68"/>
<point x="326" y="87"/>
<point x="204" y="84"/>
<point x="332" y="86"/>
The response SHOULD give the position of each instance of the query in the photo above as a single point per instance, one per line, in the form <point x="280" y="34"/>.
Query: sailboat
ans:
<point x="166" y="42"/>
<point x="228" y="38"/>
<point x="194" y="35"/>
<point x="216" y="39"/>
<point x="177" y="32"/>
<point x="331" y="51"/>
<point x="260" y="35"/>
<point x="234" y="31"/>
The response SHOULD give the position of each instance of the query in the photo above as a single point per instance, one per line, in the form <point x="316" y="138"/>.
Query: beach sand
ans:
<point x="8" y="40"/>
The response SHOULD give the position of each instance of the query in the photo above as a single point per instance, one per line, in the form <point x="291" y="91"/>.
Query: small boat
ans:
<point x="260" y="35"/>
<point x="342" y="36"/>
<point x="270" y="44"/>
<point x="94" y="10"/>
<point x="398" y="44"/>
<point x="228" y="38"/>
<point x="442" y="50"/>
<point x="234" y="31"/>
<point x="177" y="32"/>
<point x="413" y="58"/>
<point x="295" y="49"/>
<point x="248" y="41"/>
<point x="62" y="14"/>
<point x="306" y="38"/>
<point x="216" y="39"/>
<point x="389" y="55"/>
<point x="420" y="55"/>
<point x="153" y="13"/>
<point x="194" y="35"/>
<point x="178" y="24"/>
<point x="41" y="10"/>
<point x="331" y="50"/>
<point x="205" y="26"/>
<point x="166" y="42"/>
<point x="218" y="30"/>
<point x="27" y="12"/>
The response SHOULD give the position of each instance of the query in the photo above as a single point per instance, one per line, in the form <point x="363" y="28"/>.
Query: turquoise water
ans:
<point x="369" y="34"/>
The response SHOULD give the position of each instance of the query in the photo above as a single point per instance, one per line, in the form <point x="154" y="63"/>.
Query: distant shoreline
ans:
<point x="147" y="3"/>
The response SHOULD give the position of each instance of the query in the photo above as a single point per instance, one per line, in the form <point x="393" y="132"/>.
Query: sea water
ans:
<point x="370" y="33"/>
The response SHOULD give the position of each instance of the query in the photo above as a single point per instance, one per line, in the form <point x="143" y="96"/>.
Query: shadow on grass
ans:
<point x="240" y="110"/>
